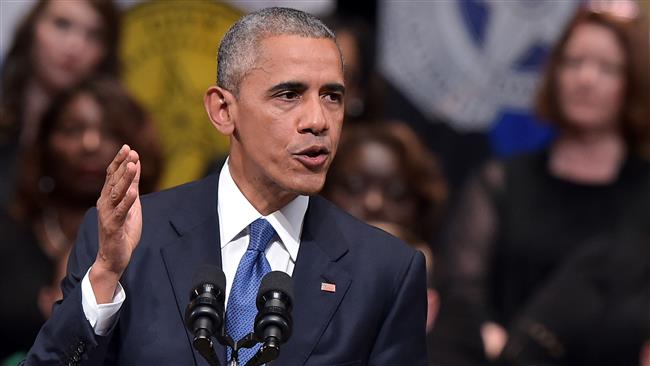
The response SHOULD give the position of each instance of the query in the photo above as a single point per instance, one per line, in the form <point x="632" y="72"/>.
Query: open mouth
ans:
<point x="313" y="157"/>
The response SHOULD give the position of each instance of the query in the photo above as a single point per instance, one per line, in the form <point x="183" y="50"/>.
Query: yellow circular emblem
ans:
<point x="169" y="57"/>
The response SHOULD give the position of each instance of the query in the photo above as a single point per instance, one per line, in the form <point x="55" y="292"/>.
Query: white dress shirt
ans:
<point x="235" y="215"/>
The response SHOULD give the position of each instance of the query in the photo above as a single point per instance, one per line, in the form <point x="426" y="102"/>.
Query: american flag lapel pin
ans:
<point x="328" y="287"/>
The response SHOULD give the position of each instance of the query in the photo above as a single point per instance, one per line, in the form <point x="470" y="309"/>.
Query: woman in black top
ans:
<point x="520" y="223"/>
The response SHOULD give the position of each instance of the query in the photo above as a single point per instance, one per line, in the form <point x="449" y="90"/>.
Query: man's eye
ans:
<point x="289" y="95"/>
<point x="334" y="97"/>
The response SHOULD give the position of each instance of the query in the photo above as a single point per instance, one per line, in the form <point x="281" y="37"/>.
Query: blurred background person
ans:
<point x="519" y="221"/>
<point x="364" y="89"/>
<point x="60" y="177"/>
<point x="594" y="309"/>
<point x="58" y="44"/>
<point x="383" y="175"/>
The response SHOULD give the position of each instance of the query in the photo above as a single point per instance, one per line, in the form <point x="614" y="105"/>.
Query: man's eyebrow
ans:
<point x="288" y="85"/>
<point x="334" y="87"/>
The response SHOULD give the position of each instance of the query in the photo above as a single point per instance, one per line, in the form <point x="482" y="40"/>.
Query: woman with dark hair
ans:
<point x="60" y="177"/>
<point x="58" y="44"/>
<point x="520" y="223"/>
<point x="383" y="173"/>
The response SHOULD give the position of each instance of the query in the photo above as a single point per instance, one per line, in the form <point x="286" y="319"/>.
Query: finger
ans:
<point x="122" y="209"/>
<point x="117" y="192"/>
<point x="132" y="156"/>
<point x="121" y="155"/>
<point x="118" y="175"/>
<point x="114" y="166"/>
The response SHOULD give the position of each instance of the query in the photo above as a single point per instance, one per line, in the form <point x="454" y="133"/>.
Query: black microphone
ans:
<point x="273" y="323"/>
<point x="204" y="315"/>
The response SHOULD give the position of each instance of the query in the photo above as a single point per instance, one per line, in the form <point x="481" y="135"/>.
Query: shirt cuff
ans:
<point x="101" y="317"/>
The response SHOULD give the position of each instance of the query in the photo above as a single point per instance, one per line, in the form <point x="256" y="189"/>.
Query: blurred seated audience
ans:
<point x="59" y="178"/>
<point x="58" y="44"/>
<point x="522" y="226"/>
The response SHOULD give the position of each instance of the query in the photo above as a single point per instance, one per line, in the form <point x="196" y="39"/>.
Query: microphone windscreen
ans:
<point x="207" y="273"/>
<point x="278" y="281"/>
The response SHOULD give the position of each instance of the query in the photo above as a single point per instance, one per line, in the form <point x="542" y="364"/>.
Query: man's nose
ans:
<point x="315" y="118"/>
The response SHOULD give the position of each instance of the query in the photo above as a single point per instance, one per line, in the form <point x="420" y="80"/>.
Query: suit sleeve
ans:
<point x="401" y="340"/>
<point x="67" y="337"/>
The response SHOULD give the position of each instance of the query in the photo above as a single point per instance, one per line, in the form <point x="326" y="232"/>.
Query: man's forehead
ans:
<point x="290" y="46"/>
<point x="295" y="59"/>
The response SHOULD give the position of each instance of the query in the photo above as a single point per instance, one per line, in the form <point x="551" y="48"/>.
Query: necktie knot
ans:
<point x="261" y="233"/>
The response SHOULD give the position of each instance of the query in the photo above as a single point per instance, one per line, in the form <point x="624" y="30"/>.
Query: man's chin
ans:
<point x="309" y="187"/>
<point x="309" y="192"/>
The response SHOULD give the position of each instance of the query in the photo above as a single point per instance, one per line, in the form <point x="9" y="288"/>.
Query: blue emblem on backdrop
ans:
<point x="474" y="63"/>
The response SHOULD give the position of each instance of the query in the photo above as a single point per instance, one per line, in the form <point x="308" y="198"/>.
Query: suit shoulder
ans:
<point x="182" y="196"/>
<point x="364" y="237"/>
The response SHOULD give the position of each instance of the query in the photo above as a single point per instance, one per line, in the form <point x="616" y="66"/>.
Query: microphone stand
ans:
<point x="266" y="353"/>
<point x="204" y="345"/>
<point x="248" y="341"/>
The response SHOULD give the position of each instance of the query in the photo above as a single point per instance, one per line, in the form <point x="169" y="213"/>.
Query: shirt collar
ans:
<point x="286" y="221"/>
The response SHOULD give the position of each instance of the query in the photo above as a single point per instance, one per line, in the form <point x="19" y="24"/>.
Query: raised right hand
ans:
<point x="119" y="216"/>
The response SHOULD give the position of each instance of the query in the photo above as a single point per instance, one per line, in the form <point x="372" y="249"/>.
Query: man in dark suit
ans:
<point x="360" y="294"/>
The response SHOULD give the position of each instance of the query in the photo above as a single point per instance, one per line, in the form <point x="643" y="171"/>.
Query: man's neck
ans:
<point x="265" y="196"/>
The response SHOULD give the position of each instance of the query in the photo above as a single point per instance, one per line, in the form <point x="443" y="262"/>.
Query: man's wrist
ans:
<point x="103" y="282"/>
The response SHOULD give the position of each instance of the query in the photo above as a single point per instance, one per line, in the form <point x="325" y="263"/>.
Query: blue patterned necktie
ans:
<point x="241" y="311"/>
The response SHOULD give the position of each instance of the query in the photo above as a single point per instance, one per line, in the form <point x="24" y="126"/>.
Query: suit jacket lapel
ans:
<point x="197" y="226"/>
<point x="321" y="246"/>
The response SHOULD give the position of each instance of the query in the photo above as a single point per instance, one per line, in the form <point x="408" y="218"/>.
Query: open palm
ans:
<point x="119" y="212"/>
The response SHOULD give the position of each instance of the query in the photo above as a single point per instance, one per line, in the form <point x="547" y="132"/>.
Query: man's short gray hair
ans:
<point x="239" y="48"/>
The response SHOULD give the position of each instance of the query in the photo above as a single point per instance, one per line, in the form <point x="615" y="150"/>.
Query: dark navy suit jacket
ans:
<point x="376" y="316"/>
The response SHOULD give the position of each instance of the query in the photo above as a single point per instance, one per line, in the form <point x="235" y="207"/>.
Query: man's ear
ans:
<point x="221" y="108"/>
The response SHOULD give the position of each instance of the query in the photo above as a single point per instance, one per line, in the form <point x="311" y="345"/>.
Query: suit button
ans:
<point x="80" y="348"/>
<point x="76" y="358"/>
